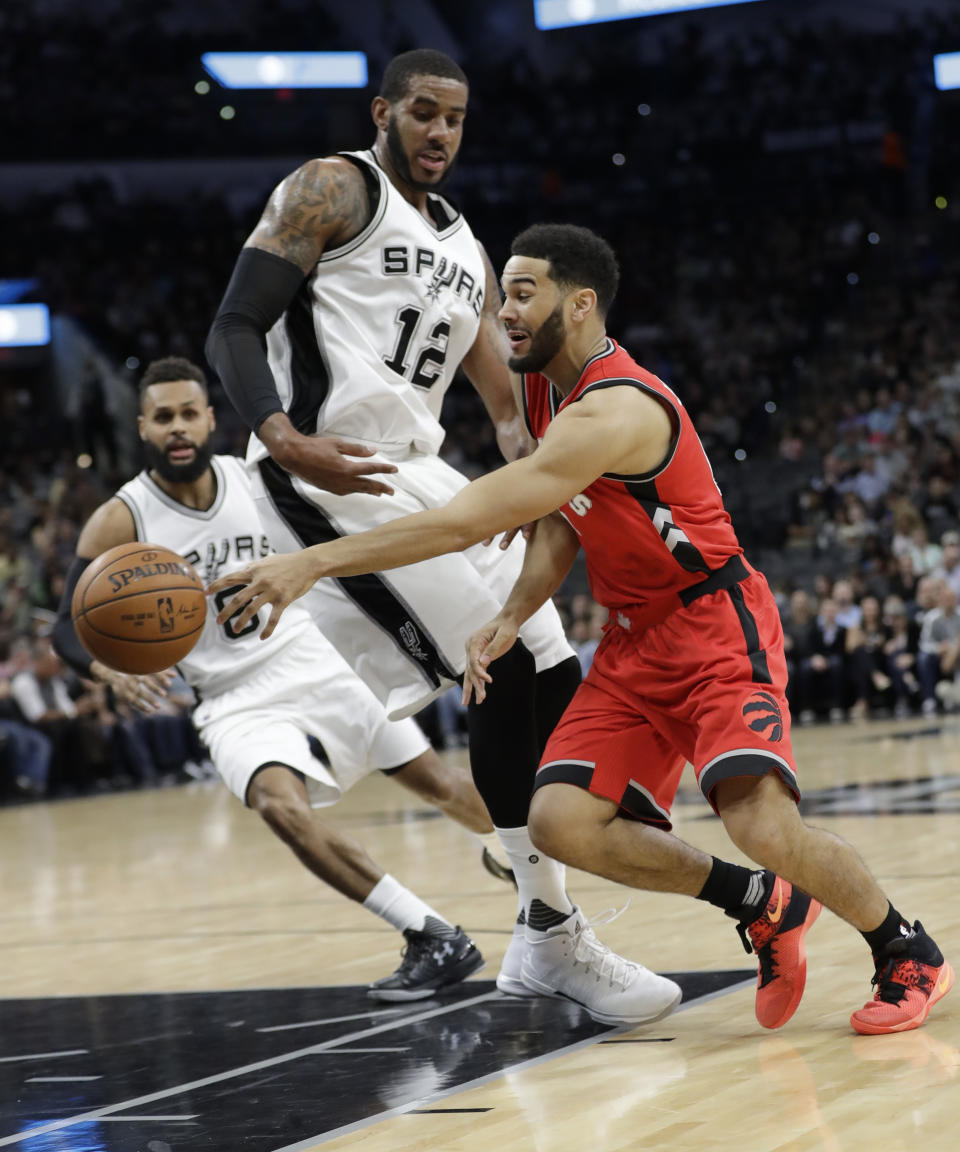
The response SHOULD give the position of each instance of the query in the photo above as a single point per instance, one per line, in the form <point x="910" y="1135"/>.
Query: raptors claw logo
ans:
<point x="761" y="713"/>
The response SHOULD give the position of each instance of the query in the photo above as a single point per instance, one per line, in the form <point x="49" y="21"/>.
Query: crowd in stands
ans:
<point x="785" y="268"/>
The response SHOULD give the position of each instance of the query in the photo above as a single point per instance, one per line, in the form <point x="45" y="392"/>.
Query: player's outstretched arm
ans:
<point x="324" y="203"/>
<point x="582" y="443"/>
<point x="112" y="524"/>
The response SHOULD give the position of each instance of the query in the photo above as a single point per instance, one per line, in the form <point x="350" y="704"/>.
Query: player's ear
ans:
<point x="141" y="425"/>
<point x="380" y="111"/>
<point x="584" y="303"/>
<point x="212" y="417"/>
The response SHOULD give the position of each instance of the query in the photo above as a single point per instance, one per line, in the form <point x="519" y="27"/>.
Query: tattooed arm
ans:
<point x="323" y="204"/>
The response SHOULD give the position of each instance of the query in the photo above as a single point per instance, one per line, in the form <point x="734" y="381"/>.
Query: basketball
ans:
<point x="139" y="608"/>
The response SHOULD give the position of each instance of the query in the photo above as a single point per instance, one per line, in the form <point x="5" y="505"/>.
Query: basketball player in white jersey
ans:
<point x="259" y="703"/>
<point x="357" y="296"/>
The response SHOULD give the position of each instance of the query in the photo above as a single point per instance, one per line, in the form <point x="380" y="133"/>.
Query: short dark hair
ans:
<point x="577" y="258"/>
<point x="170" y="368"/>
<point x="419" y="62"/>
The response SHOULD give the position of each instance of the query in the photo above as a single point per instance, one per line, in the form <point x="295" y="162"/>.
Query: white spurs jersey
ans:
<point x="216" y="541"/>
<point x="370" y="344"/>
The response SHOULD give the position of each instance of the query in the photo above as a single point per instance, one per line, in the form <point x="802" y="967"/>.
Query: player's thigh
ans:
<point x="606" y="746"/>
<point x="306" y="691"/>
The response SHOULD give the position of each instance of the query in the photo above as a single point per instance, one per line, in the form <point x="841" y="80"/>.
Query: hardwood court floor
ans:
<point x="173" y="980"/>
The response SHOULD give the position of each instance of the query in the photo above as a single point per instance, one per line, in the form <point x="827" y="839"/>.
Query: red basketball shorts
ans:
<point x="705" y="685"/>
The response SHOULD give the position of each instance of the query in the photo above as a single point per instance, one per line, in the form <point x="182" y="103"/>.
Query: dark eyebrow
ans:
<point x="436" y="103"/>
<point x="522" y="279"/>
<point x="164" y="409"/>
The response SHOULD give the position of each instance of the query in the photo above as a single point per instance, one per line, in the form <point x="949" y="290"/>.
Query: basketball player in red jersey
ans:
<point x="691" y="666"/>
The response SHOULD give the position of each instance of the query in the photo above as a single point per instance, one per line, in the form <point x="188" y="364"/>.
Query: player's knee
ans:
<point x="284" y="810"/>
<point x="762" y="822"/>
<point x="550" y="826"/>
<point x="429" y="778"/>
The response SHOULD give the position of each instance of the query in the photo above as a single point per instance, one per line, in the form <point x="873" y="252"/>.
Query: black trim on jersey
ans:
<point x="177" y="506"/>
<point x="755" y="654"/>
<point x="526" y="408"/>
<point x="564" y="772"/>
<point x="746" y="763"/>
<point x="634" y="801"/>
<point x="443" y="216"/>
<point x="646" y="495"/>
<point x="672" y="411"/>
<point x="371" y="593"/>
<point x="731" y="572"/>
<point x="372" y="181"/>
<point x="376" y="203"/>
<point x="309" y="375"/>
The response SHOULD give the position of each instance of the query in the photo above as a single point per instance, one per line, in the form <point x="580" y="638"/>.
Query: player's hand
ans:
<point x="526" y="530"/>
<point x="145" y="693"/>
<point x="275" y="581"/>
<point x="329" y="463"/>
<point x="483" y="647"/>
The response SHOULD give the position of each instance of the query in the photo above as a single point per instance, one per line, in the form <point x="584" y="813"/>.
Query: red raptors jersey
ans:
<point x="646" y="538"/>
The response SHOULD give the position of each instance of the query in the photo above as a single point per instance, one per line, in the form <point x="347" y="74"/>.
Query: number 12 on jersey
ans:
<point x="428" y="365"/>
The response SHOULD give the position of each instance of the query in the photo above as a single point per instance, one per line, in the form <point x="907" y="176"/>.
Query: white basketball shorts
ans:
<point x="306" y="689"/>
<point x="404" y="631"/>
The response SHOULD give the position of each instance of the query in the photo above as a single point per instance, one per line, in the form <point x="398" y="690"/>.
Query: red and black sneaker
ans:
<point x="911" y="976"/>
<point x="777" y="937"/>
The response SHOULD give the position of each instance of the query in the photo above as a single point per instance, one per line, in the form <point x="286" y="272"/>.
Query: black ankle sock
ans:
<point x="735" y="889"/>
<point x="889" y="930"/>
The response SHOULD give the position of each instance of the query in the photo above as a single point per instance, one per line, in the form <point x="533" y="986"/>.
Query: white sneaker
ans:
<point x="509" y="979"/>
<point x="570" y="961"/>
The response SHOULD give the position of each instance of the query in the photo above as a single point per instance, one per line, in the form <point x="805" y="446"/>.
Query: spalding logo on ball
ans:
<point x="139" y="608"/>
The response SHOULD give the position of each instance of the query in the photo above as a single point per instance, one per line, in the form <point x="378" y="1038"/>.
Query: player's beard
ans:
<point x="545" y="343"/>
<point x="158" y="461"/>
<point x="401" y="162"/>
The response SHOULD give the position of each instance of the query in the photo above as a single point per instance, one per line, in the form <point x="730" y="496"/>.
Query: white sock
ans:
<point x="401" y="908"/>
<point x="539" y="877"/>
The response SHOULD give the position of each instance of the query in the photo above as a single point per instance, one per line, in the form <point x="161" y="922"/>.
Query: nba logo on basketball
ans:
<point x="165" y="614"/>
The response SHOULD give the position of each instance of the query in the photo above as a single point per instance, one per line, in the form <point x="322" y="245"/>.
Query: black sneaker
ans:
<point x="430" y="962"/>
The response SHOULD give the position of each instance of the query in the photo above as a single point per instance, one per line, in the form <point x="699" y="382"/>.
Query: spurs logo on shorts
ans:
<point x="411" y="641"/>
<point x="761" y="713"/>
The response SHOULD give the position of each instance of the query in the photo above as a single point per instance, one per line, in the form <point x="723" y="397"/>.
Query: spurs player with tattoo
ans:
<point x="357" y="296"/>
<point x="260" y="703"/>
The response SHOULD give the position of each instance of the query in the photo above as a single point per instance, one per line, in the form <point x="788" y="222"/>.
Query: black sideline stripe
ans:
<point x="755" y="654"/>
<point x="308" y="369"/>
<point x="372" y="595"/>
